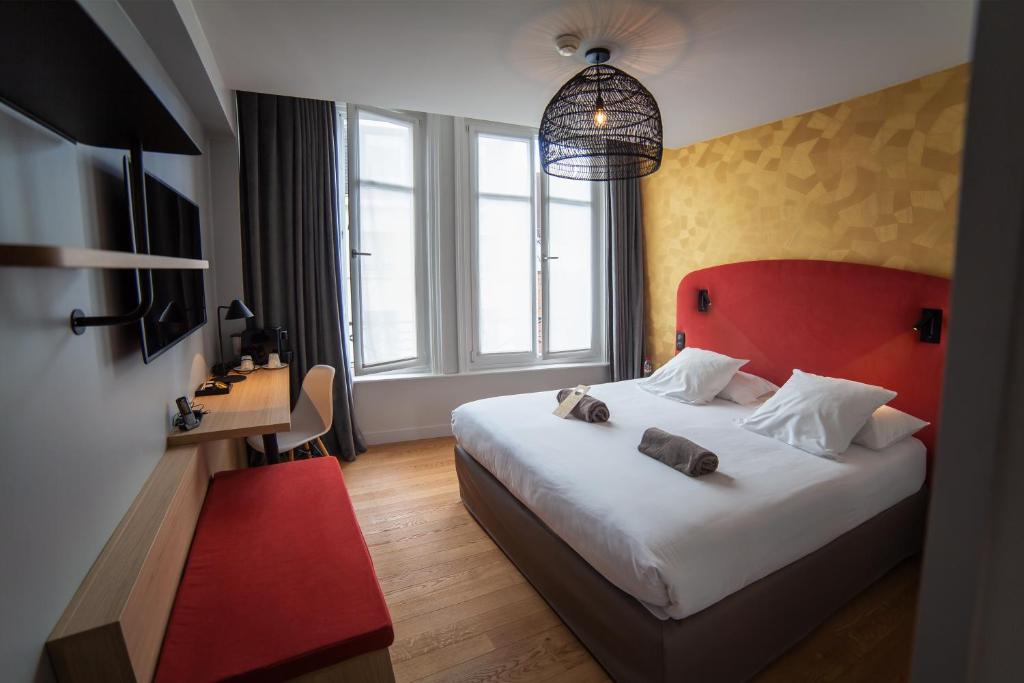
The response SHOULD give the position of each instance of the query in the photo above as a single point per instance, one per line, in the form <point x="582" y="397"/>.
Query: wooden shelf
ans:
<point x="50" y="256"/>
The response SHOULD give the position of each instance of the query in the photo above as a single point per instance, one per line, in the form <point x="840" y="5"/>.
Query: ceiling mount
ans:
<point x="598" y="55"/>
<point x="567" y="44"/>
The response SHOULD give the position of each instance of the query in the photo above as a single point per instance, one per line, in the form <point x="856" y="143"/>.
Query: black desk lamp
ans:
<point x="236" y="311"/>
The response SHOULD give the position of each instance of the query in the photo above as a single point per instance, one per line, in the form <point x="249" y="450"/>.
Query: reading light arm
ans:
<point x="144" y="278"/>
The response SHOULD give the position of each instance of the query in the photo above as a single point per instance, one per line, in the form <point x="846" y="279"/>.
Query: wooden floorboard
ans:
<point x="463" y="612"/>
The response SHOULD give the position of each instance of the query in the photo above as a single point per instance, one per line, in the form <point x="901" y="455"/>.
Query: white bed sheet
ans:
<point x="678" y="545"/>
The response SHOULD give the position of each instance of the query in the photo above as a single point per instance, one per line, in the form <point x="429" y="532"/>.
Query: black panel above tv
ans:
<point x="59" y="68"/>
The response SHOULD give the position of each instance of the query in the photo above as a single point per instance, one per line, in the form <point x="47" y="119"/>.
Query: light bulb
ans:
<point x="600" y="115"/>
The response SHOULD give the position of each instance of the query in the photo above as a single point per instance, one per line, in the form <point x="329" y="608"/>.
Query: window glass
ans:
<point x="570" y="278"/>
<point x="505" y="273"/>
<point x="385" y="150"/>
<point x="386" y="262"/>
<point x="388" y="275"/>
<point x="503" y="166"/>
<point x="563" y="188"/>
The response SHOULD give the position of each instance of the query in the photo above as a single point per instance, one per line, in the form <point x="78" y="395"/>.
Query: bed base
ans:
<point x="731" y="640"/>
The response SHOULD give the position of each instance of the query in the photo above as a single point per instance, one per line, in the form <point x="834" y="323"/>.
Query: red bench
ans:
<point x="278" y="584"/>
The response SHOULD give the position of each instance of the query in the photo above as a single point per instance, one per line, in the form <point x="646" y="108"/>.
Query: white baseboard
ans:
<point x="407" y="434"/>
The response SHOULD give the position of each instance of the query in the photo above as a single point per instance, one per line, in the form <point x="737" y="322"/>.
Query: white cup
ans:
<point x="274" y="361"/>
<point x="247" y="365"/>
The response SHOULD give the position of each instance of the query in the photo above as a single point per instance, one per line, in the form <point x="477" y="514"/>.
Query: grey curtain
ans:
<point x="290" y="260"/>
<point x="625" y="279"/>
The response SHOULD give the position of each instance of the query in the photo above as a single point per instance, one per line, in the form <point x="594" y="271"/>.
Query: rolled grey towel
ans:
<point x="589" y="409"/>
<point x="678" y="452"/>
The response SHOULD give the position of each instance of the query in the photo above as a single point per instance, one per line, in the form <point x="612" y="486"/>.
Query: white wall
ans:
<point x="227" y="228"/>
<point x="172" y="31"/>
<point x="84" y="420"/>
<point x="404" y="408"/>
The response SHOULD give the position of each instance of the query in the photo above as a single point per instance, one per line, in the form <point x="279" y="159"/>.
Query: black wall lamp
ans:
<point x="703" y="301"/>
<point x="929" y="327"/>
<point x="236" y="311"/>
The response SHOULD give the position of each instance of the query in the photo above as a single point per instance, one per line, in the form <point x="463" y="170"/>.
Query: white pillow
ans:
<point x="693" y="376"/>
<point x="886" y="426"/>
<point x="817" y="414"/>
<point x="746" y="389"/>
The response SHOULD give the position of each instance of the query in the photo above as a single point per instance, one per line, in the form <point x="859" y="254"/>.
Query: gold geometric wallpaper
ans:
<point x="871" y="180"/>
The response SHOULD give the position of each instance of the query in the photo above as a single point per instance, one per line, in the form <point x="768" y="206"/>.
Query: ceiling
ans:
<point x="714" y="67"/>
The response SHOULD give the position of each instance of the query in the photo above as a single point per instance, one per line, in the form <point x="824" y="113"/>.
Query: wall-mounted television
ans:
<point x="179" y="296"/>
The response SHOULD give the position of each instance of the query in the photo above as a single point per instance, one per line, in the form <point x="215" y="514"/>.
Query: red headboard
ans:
<point x="836" y="319"/>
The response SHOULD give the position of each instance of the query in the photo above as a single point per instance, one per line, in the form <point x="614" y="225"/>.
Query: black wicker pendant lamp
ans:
<point x="603" y="124"/>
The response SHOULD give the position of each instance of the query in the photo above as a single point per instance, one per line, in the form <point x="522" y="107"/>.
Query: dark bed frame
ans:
<point x="731" y="640"/>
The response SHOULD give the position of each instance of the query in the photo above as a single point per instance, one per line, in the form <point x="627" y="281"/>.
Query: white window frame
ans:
<point x="469" y="357"/>
<point x="476" y="359"/>
<point x="598" y="262"/>
<point x="422" y="361"/>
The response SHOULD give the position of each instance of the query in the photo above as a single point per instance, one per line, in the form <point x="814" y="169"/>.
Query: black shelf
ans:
<point x="59" y="68"/>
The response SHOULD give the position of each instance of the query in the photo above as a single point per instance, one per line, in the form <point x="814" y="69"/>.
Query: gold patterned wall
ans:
<point x="871" y="180"/>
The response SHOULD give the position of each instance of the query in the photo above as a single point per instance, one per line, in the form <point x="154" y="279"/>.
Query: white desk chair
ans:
<point x="313" y="413"/>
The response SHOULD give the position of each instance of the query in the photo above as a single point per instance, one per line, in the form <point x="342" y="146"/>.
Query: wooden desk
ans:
<point x="259" y="405"/>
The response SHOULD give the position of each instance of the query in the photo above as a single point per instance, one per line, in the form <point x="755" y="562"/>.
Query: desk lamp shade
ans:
<point x="237" y="311"/>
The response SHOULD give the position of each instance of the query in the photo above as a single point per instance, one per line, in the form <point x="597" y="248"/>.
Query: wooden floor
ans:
<point x="463" y="612"/>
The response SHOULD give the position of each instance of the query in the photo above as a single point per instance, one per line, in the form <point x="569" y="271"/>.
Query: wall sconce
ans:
<point x="929" y="327"/>
<point x="703" y="301"/>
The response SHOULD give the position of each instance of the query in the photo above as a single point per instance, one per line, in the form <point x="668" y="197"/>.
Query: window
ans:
<point x="505" y="229"/>
<point x="569" y="266"/>
<point x="386" y="241"/>
<point x="534" y="250"/>
<point x="461" y="255"/>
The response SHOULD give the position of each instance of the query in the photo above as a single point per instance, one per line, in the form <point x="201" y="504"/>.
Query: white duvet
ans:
<point x="678" y="544"/>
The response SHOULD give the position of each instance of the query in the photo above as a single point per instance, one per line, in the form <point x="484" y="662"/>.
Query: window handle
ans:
<point x="360" y="253"/>
<point x="549" y="258"/>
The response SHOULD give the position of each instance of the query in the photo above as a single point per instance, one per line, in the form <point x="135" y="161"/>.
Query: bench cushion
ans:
<point x="279" y="581"/>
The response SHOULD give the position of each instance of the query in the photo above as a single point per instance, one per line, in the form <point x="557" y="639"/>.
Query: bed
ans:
<point x="666" y="578"/>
